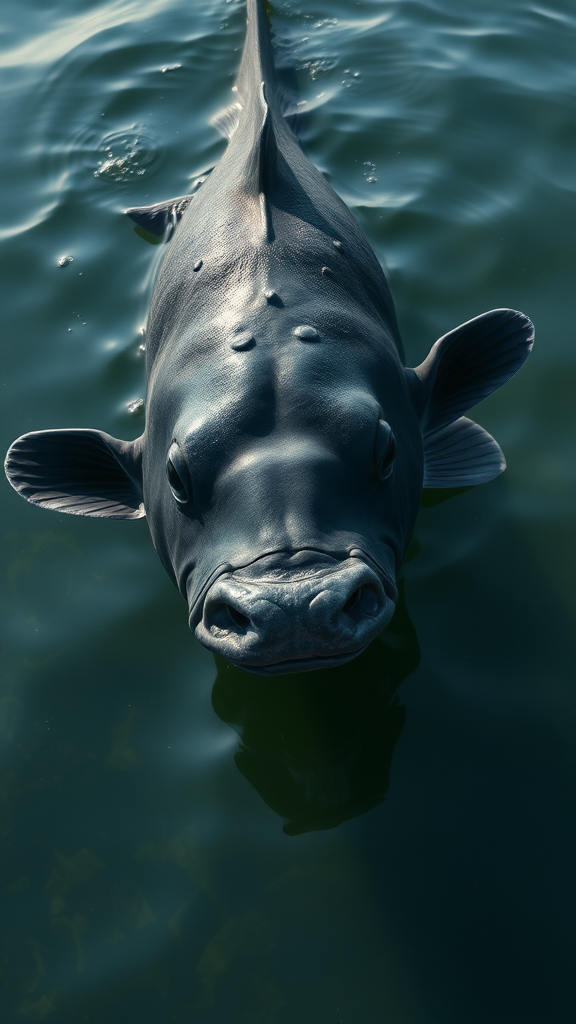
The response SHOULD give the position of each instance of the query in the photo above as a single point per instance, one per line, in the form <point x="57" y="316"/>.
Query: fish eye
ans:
<point x="384" y="451"/>
<point x="178" y="475"/>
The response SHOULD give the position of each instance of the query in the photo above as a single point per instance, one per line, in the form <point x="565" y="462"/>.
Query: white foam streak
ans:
<point x="32" y="220"/>
<point x="72" y="32"/>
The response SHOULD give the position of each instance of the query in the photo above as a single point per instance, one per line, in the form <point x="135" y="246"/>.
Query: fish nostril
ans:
<point x="353" y="601"/>
<point x="363" y="602"/>
<point x="227" y="617"/>
<point x="238" y="618"/>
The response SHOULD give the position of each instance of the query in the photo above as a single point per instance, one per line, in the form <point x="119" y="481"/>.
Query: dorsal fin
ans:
<point x="266" y="148"/>
<point x="262" y="163"/>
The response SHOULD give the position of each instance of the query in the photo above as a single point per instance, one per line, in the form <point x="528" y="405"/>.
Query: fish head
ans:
<point x="281" y="494"/>
<point x="283" y="512"/>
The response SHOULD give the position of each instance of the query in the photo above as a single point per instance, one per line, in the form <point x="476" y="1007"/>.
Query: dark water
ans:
<point x="183" y="842"/>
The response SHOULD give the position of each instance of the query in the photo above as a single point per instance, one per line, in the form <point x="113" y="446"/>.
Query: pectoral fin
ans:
<point x="461" y="454"/>
<point x="81" y="472"/>
<point x="471" y="362"/>
<point x="160" y="219"/>
<point x="461" y="369"/>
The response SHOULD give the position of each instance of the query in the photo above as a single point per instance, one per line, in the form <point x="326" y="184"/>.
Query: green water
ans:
<point x="386" y="843"/>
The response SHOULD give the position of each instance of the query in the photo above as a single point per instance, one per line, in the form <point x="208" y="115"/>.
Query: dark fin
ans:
<point x="160" y="219"/>
<point x="81" y="472"/>
<point x="461" y="454"/>
<point x="471" y="362"/>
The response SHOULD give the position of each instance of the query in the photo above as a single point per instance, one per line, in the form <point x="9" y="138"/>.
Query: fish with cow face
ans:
<point x="286" y="444"/>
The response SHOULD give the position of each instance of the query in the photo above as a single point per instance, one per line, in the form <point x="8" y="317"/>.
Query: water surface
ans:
<point x="387" y="842"/>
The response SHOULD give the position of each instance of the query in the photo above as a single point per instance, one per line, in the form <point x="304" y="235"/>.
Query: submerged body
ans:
<point x="286" y="445"/>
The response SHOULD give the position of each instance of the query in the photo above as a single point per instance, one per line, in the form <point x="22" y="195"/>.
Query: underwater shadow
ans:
<point x="318" y="746"/>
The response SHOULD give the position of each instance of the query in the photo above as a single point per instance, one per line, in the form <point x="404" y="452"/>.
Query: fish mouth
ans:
<point x="299" y="664"/>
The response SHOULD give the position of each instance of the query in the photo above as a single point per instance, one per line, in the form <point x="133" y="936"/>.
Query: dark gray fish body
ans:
<point x="286" y="446"/>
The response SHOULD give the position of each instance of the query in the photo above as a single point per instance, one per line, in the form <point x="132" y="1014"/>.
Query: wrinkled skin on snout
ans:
<point x="287" y="613"/>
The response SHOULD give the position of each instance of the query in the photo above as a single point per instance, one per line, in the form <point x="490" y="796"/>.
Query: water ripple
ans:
<point x="128" y="154"/>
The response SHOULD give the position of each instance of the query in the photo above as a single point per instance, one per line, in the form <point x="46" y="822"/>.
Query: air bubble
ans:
<point x="317" y="68"/>
<point x="369" y="174"/>
<point x="127" y="155"/>
<point x="350" y="77"/>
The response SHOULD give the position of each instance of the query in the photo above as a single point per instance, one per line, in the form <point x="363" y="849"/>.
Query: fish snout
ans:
<point x="269" y="626"/>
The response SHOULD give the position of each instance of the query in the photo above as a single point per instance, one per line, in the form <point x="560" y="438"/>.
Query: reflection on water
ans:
<point x="318" y="746"/>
